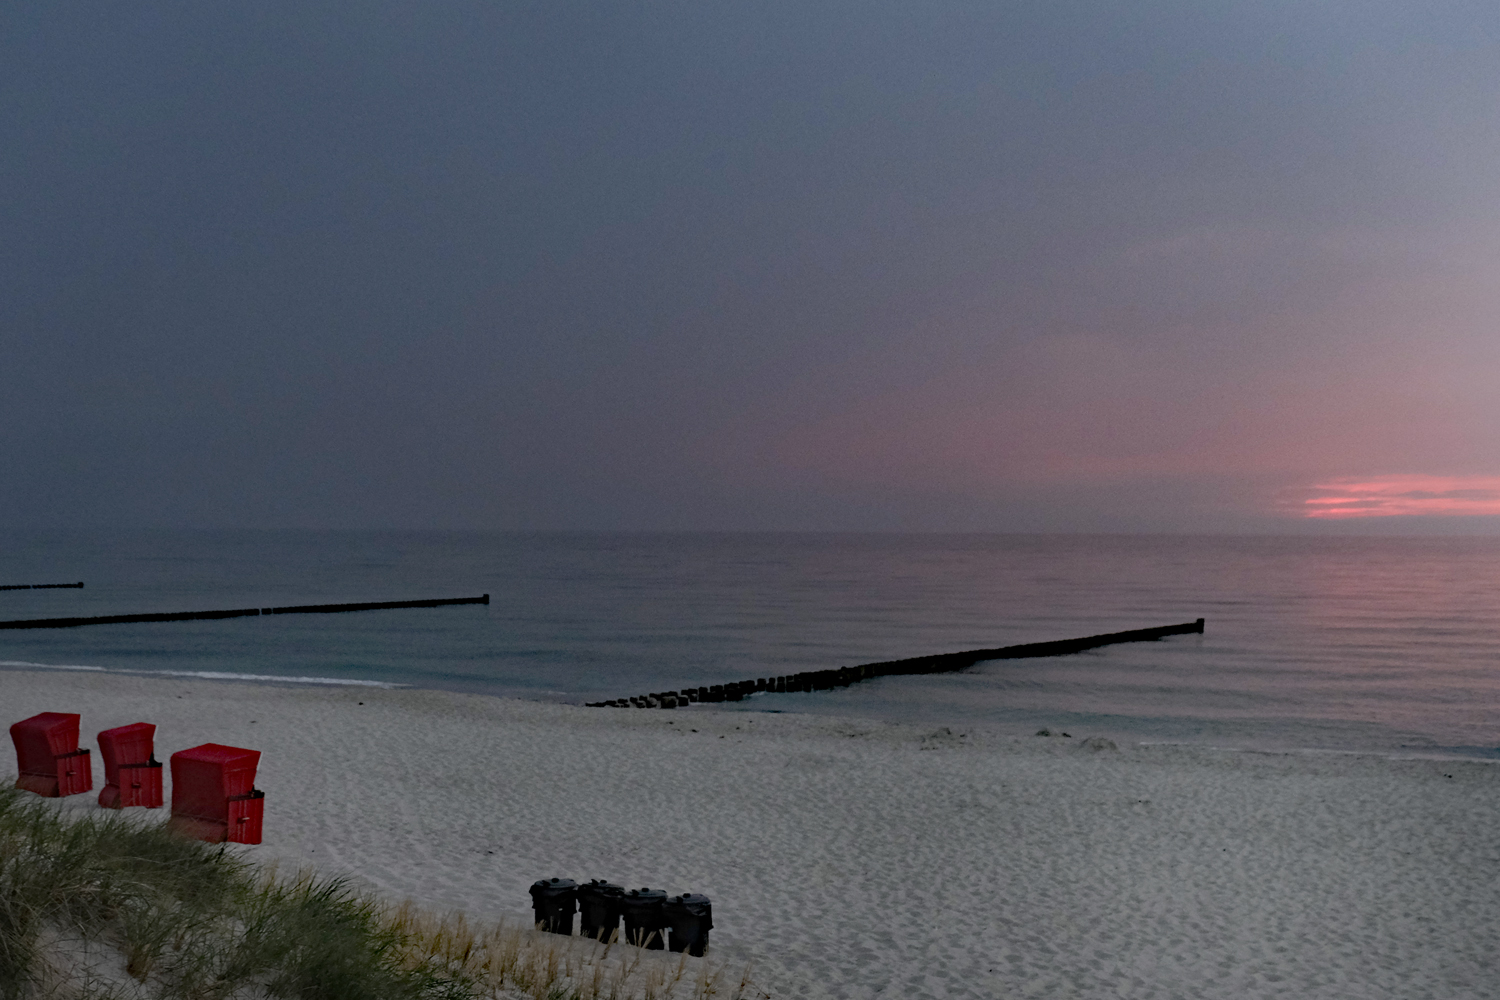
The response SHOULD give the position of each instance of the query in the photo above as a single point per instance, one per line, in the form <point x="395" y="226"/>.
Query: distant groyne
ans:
<point x="42" y="586"/>
<point x="826" y="680"/>
<point x="188" y="616"/>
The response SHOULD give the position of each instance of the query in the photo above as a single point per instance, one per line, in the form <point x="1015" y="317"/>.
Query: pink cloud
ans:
<point x="1389" y="496"/>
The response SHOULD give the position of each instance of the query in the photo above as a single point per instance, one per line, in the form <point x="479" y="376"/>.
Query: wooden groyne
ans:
<point x="941" y="663"/>
<point x="188" y="616"/>
<point x="42" y="586"/>
<point x="324" y="609"/>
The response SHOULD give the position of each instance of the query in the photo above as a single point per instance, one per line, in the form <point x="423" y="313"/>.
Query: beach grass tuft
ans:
<point x="512" y="960"/>
<point x="113" y="907"/>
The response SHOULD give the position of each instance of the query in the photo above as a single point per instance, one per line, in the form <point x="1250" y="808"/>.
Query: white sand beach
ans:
<point x="860" y="859"/>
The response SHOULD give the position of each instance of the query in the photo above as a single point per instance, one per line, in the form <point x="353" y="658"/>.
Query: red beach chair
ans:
<point x="132" y="774"/>
<point x="213" y="794"/>
<point x="48" y="757"/>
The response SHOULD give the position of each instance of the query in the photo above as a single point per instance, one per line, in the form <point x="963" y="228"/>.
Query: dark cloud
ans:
<point x="1008" y="265"/>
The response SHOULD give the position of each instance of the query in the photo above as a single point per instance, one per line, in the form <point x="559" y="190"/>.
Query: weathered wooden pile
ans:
<point x="827" y="680"/>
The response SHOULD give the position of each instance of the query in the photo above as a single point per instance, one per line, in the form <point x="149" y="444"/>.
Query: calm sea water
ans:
<point x="1386" y="644"/>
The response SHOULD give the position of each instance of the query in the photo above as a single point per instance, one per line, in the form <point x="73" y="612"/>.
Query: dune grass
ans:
<point x="112" y="907"/>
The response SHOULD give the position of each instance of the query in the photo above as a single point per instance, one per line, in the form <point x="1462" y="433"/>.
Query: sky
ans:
<point x="1052" y="266"/>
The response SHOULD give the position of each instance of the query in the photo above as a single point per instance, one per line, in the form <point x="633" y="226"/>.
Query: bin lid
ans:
<point x="599" y="887"/>
<point x="691" y="902"/>
<point x="553" y="887"/>
<point x="646" y="897"/>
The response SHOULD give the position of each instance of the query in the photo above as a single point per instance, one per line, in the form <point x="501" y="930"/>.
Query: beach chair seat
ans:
<point x="48" y="757"/>
<point x="214" y="796"/>
<point x="132" y="774"/>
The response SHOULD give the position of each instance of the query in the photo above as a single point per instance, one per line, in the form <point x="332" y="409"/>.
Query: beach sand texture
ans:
<point x="862" y="859"/>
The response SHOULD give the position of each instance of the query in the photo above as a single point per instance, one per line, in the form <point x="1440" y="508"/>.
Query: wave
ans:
<point x="211" y="675"/>
<point x="27" y="665"/>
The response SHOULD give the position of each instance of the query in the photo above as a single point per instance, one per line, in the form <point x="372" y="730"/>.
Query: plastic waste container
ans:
<point x="48" y="757"/>
<point x="599" y="909"/>
<point x="554" y="901"/>
<point x="641" y="909"/>
<point x="689" y="917"/>
<point x="214" y="797"/>
<point x="132" y="774"/>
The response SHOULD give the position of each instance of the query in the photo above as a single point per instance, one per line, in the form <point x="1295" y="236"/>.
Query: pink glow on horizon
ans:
<point x="1391" y="496"/>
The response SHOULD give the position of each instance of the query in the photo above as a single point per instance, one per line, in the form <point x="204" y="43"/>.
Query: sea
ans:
<point x="1322" y="644"/>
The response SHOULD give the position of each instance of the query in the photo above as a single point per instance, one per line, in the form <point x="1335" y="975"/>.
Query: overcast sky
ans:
<point x="1004" y="266"/>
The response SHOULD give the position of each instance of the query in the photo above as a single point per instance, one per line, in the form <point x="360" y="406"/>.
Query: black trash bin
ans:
<point x="641" y="909"/>
<point x="599" y="909"/>
<point x="554" y="901"/>
<point x="690" y="917"/>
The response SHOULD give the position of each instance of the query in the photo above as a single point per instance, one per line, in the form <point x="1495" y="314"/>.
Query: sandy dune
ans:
<point x="853" y="859"/>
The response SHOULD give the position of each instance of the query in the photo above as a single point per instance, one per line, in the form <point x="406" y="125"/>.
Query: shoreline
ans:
<point x="1430" y="751"/>
<point x="857" y="858"/>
